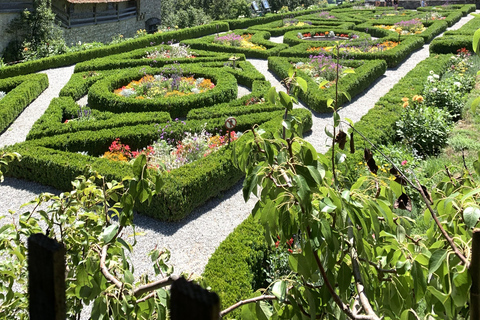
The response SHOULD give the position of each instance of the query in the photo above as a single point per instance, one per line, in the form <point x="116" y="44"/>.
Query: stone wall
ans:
<point x="103" y="32"/>
<point x="5" y="38"/>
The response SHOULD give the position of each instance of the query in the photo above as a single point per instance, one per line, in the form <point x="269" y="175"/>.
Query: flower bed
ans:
<point x="157" y="86"/>
<point x="252" y="43"/>
<point x="409" y="27"/>
<point x="316" y="98"/>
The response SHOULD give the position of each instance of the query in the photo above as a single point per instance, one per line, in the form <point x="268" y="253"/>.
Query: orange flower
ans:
<point x="417" y="98"/>
<point x="405" y="99"/>
<point x="405" y="104"/>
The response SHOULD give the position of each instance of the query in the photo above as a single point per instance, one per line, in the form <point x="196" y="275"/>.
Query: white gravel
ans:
<point x="192" y="240"/>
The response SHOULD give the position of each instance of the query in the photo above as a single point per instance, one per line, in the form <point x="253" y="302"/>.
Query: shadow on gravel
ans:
<point x="170" y="228"/>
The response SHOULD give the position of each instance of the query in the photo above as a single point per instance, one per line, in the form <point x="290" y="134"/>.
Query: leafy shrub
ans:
<point x="448" y="93"/>
<point x="425" y="128"/>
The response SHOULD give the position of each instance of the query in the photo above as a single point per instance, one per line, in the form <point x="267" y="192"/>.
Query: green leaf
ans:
<point x="347" y="95"/>
<point x="419" y="281"/>
<point x="336" y="119"/>
<point x="471" y="216"/>
<point x="348" y="70"/>
<point x="442" y="297"/>
<point x="436" y="260"/>
<point x="139" y="164"/>
<point x="128" y="276"/>
<point x="109" y="233"/>
<point x="286" y="101"/>
<point x="328" y="133"/>
<point x="323" y="83"/>
<point x="279" y="290"/>
<point x="302" y="84"/>
<point x="316" y="174"/>
<point x="476" y="42"/>
<point x="272" y="95"/>
<point x="400" y="234"/>
<point x="303" y="189"/>
<point x="329" y="102"/>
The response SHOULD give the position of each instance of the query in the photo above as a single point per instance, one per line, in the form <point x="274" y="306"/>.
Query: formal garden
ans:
<point x="378" y="227"/>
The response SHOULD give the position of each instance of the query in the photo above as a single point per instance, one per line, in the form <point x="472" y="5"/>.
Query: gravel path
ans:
<point x="192" y="240"/>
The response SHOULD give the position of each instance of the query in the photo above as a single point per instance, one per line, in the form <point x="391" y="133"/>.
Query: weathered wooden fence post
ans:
<point x="475" y="274"/>
<point x="192" y="302"/>
<point x="46" y="278"/>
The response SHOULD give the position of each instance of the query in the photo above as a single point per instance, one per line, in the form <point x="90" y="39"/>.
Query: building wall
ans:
<point x="103" y="32"/>
<point x="5" y="38"/>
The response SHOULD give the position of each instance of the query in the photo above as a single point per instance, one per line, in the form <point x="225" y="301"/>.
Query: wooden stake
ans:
<point x="475" y="274"/>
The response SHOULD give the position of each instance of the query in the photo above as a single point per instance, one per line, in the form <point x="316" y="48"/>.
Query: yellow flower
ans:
<point x="418" y="98"/>
<point x="405" y="99"/>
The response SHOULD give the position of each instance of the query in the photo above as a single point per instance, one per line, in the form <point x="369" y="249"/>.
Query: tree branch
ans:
<point x="362" y="295"/>
<point x="380" y="270"/>
<point x="247" y="301"/>
<point x="442" y="230"/>
<point x="154" y="285"/>
<point x="110" y="277"/>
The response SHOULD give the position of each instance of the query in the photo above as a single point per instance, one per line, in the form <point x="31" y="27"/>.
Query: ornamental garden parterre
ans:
<point x="169" y="103"/>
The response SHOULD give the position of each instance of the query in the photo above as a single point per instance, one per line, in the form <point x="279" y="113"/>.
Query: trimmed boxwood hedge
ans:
<point x="433" y="28"/>
<point x="450" y="44"/>
<point x="259" y="37"/>
<point x="468" y="28"/>
<point x="276" y="28"/>
<point x="21" y="91"/>
<point x="135" y="58"/>
<point x="53" y="161"/>
<point x="315" y="98"/>
<point x="101" y="96"/>
<point x="291" y="38"/>
<point x="464" y="8"/>
<point x="75" y="57"/>
<point x="51" y="123"/>
<point x="235" y="270"/>
<point x="393" y="57"/>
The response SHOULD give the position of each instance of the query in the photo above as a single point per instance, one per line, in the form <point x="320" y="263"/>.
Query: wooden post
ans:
<point x="192" y="302"/>
<point x="475" y="274"/>
<point x="46" y="278"/>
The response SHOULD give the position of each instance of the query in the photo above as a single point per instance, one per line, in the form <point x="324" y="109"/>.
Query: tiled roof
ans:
<point x="95" y="1"/>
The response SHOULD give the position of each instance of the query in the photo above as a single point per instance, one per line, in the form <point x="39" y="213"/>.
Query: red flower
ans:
<point x="290" y="250"/>
<point x="276" y="244"/>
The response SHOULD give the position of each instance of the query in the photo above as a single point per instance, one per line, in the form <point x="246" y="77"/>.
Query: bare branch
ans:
<point x="247" y="301"/>
<point x="442" y="230"/>
<point x="154" y="285"/>
<point x="148" y="296"/>
<point x="110" y="277"/>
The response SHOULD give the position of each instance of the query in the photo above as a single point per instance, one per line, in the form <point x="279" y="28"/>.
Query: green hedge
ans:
<point x="245" y="23"/>
<point x="315" y="98"/>
<point x="235" y="270"/>
<point x="79" y="83"/>
<point x="464" y="8"/>
<point x="21" y="91"/>
<point x="450" y="44"/>
<point x="468" y="28"/>
<point x="55" y="161"/>
<point x="291" y="38"/>
<point x="259" y="38"/>
<point x="276" y="28"/>
<point x="75" y="57"/>
<point x="51" y="123"/>
<point x="393" y="57"/>
<point x="101" y="94"/>
<point x="135" y="58"/>
<point x="433" y="28"/>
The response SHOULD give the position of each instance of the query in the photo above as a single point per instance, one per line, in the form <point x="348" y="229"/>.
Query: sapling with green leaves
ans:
<point x="356" y="256"/>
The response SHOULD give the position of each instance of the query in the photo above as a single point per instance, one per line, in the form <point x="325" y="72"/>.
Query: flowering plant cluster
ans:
<point x="461" y="62"/>
<point x="435" y="16"/>
<point x="83" y="114"/>
<point x="2" y="94"/>
<point x="409" y="27"/>
<point x="169" y="154"/>
<point x="327" y="34"/>
<point x="234" y="40"/>
<point x="254" y="100"/>
<point x="320" y="68"/>
<point x="173" y="52"/>
<point x="295" y="23"/>
<point x="346" y="48"/>
<point x="326" y="15"/>
<point x="157" y="86"/>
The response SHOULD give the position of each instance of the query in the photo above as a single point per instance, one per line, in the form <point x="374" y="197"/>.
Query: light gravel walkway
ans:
<point x="192" y="240"/>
